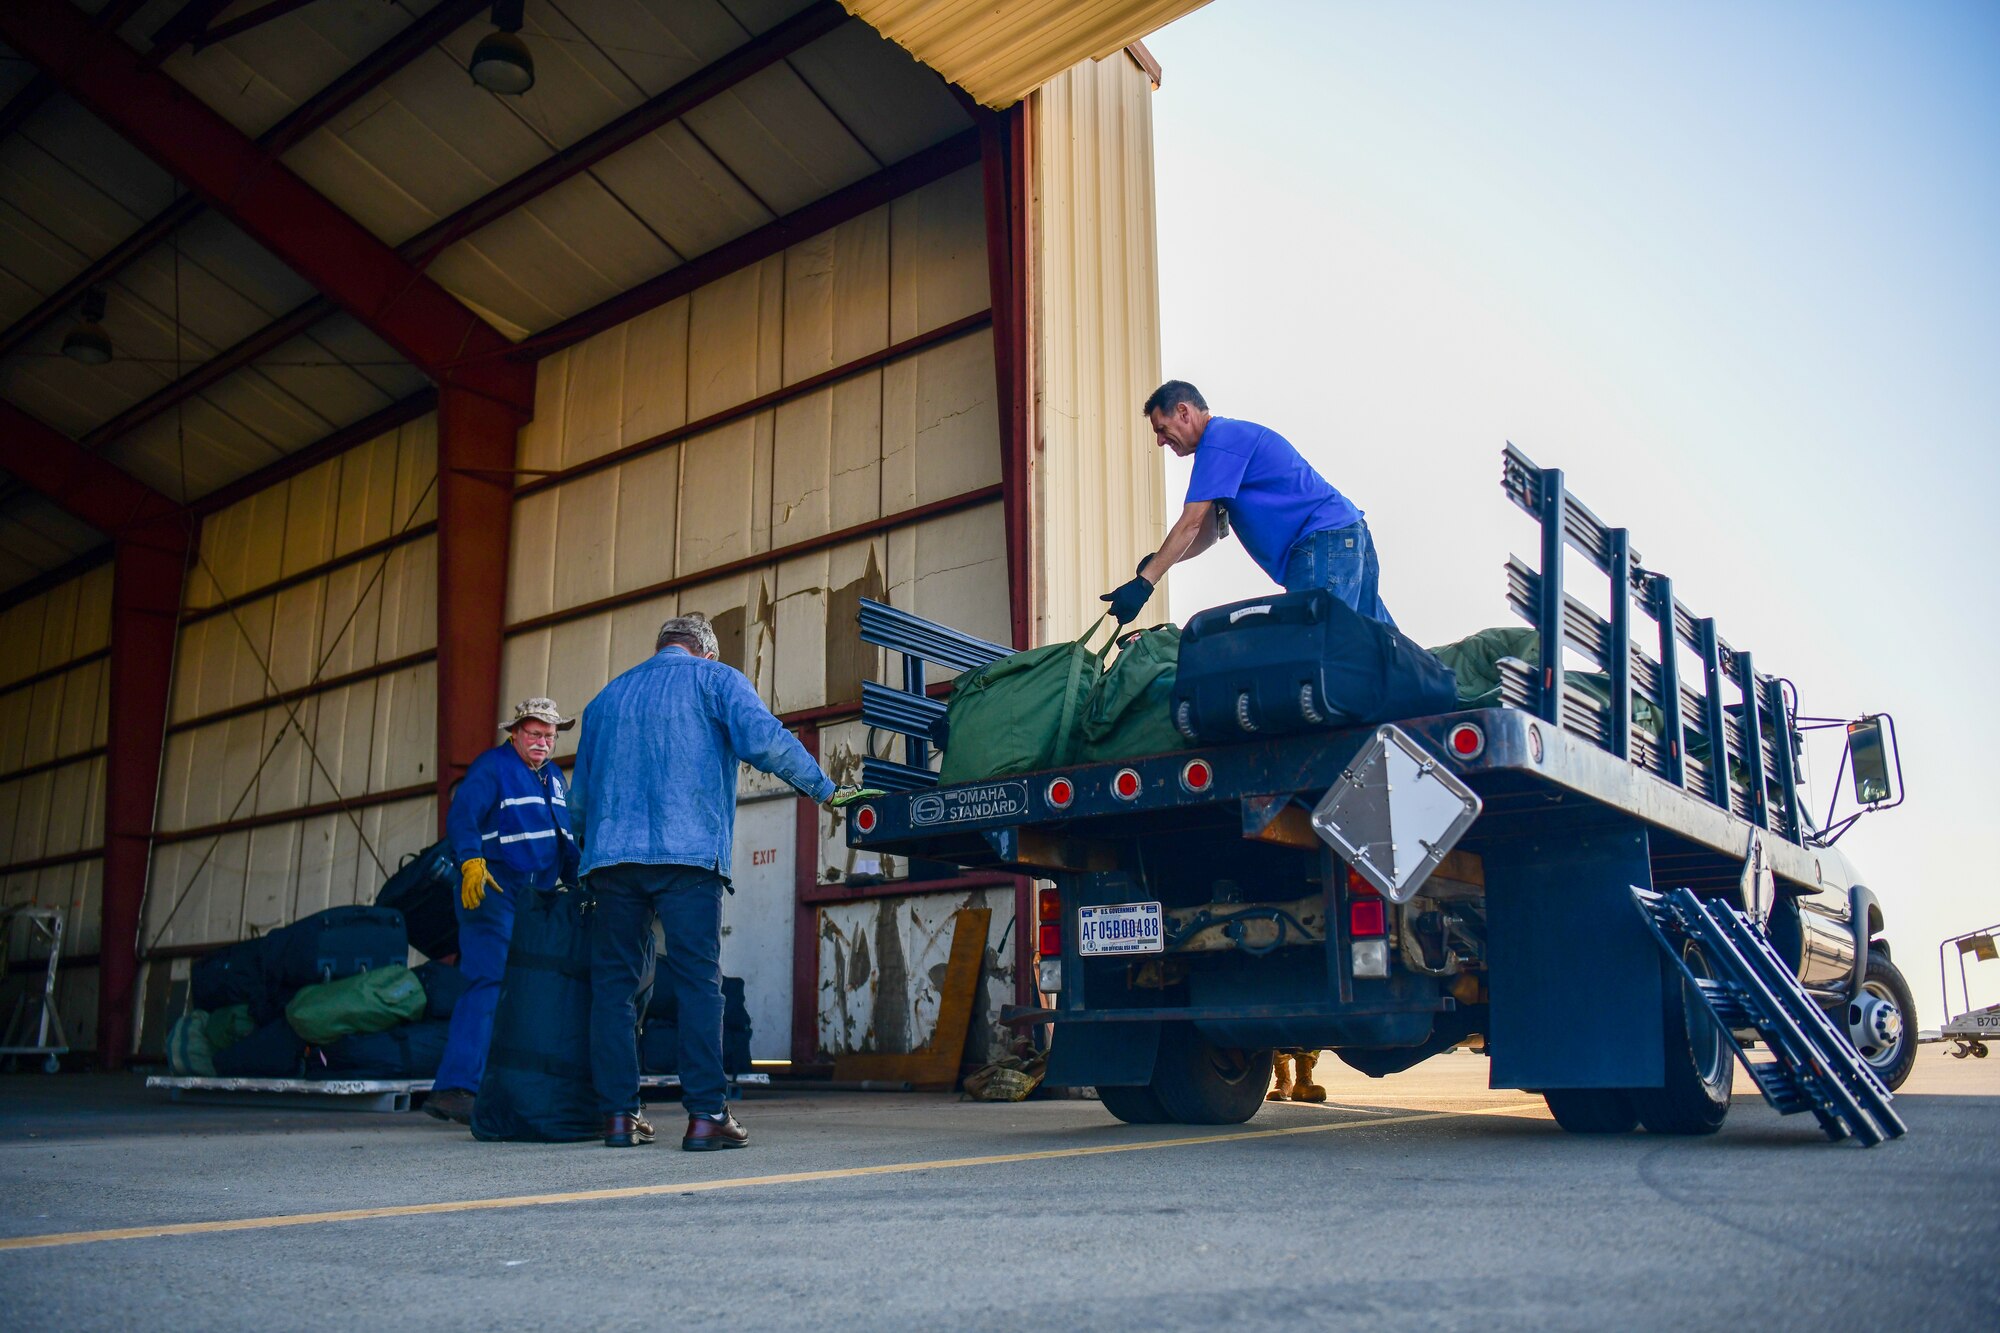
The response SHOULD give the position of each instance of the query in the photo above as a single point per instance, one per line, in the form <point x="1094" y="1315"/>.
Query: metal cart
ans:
<point x="1972" y="1028"/>
<point x="35" y="1011"/>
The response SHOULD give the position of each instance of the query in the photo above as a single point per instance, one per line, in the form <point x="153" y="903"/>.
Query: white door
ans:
<point x="757" y="919"/>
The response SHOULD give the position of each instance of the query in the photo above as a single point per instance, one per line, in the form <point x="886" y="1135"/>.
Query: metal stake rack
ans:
<point x="35" y="1011"/>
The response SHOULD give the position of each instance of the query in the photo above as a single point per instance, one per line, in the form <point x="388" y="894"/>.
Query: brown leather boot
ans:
<point x="1281" y="1074"/>
<point x="450" y="1104"/>
<point x="626" y="1131"/>
<point x="705" y="1135"/>
<point x="1304" y="1089"/>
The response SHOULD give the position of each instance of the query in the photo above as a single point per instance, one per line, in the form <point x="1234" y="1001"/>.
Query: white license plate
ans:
<point x="1119" y="928"/>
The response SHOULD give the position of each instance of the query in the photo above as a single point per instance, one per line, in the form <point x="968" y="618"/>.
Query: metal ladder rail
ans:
<point x="1842" y="1062"/>
<point x="909" y="712"/>
<point x="1814" y="1068"/>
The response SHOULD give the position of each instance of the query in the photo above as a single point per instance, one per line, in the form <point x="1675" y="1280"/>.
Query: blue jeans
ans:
<point x="1343" y="561"/>
<point x="688" y="902"/>
<point x="483" y="936"/>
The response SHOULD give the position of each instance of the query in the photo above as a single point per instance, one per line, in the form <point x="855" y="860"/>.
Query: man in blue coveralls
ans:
<point x="654" y="791"/>
<point x="510" y="832"/>
<point x="1299" y="530"/>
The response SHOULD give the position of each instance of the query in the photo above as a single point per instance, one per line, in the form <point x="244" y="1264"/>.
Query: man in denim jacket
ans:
<point x="653" y="801"/>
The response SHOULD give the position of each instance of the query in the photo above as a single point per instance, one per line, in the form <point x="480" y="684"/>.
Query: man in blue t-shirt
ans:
<point x="1248" y="478"/>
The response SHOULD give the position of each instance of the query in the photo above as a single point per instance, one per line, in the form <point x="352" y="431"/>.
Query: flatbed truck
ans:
<point x="1394" y="891"/>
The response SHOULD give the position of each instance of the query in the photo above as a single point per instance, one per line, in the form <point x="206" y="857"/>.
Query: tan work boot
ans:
<point x="1303" y="1088"/>
<point x="1281" y="1075"/>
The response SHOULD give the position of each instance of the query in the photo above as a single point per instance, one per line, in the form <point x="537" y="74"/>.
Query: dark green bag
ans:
<point x="1131" y="708"/>
<point x="372" y="1001"/>
<point x="1020" y="713"/>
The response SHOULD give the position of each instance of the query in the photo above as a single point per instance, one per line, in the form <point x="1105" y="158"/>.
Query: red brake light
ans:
<point x="1366" y="918"/>
<point x="1466" y="741"/>
<point x="1060" y="793"/>
<point x="1358" y="886"/>
<point x="1125" y="786"/>
<point x="864" y="819"/>
<point x="1196" y="775"/>
<point x="1048" y="905"/>
<point x="1048" y="911"/>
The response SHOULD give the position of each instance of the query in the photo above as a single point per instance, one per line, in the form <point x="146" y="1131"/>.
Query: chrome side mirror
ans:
<point x="1871" y="749"/>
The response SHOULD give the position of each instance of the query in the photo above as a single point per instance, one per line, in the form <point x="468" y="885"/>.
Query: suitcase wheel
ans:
<point x="1184" y="720"/>
<point x="1308" y="708"/>
<point x="1243" y="717"/>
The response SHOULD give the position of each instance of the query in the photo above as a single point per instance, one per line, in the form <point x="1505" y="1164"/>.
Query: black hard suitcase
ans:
<point x="1298" y="661"/>
<point x="425" y="890"/>
<point x="338" y="942"/>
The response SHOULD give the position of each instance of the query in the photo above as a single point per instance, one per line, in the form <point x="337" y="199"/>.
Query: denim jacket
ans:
<point x="655" y="775"/>
<point x="515" y="817"/>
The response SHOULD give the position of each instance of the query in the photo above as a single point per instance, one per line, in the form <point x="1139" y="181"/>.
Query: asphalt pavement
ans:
<point x="1422" y="1201"/>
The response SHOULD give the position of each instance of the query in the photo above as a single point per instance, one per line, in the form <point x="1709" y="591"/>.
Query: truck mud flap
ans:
<point x="1103" y="1055"/>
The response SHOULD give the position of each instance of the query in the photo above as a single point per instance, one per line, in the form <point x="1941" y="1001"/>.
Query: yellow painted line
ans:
<point x="55" y="1239"/>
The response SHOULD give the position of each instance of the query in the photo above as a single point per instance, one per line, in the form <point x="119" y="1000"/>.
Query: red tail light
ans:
<point x="1359" y="887"/>
<point x="1048" y="912"/>
<point x="864" y="819"/>
<point x="1196" y="775"/>
<point x="1466" y="741"/>
<point x="1125" y="784"/>
<point x="1367" y="918"/>
<point x="1061" y="791"/>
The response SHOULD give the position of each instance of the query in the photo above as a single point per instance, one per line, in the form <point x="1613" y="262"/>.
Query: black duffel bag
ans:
<point x="537" y="1084"/>
<point x="336" y="943"/>
<point x="443" y="985"/>
<point x="408" y="1050"/>
<point x="1298" y="661"/>
<point x="272" y="1051"/>
<point x="425" y="890"/>
<point x="233" y="975"/>
<point x="660" y="1044"/>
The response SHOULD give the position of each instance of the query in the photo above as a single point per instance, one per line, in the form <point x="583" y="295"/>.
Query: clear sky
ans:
<point x="1733" y="267"/>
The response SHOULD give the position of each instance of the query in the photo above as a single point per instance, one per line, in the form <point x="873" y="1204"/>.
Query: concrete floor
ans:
<point x="1422" y="1201"/>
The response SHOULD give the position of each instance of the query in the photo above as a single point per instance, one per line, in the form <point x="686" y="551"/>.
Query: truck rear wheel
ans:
<point x="1135" y="1106"/>
<point x="1592" y="1110"/>
<point x="1700" y="1059"/>
<point x="1200" y="1083"/>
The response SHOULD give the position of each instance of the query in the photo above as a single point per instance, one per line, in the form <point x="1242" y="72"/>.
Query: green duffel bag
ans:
<point x="188" y="1051"/>
<point x="1475" y="661"/>
<point x="1021" y="712"/>
<point x="228" y="1026"/>
<point x="1131" y="708"/>
<point x="372" y="1001"/>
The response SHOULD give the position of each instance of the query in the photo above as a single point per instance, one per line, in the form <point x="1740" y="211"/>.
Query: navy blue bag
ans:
<point x="537" y="1084"/>
<point x="443" y="985"/>
<point x="425" y="890"/>
<point x="339" y="942"/>
<point x="1298" y="661"/>
<point x="408" y="1050"/>
<point x="660" y="1044"/>
<point x="272" y="1051"/>
<point x="233" y="975"/>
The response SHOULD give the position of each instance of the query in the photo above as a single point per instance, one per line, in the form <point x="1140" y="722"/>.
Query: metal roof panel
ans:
<point x="780" y="140"/>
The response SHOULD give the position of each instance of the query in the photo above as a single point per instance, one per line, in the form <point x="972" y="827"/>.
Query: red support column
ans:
<point x="146" y="587"/>
<point x="475" y="518"/>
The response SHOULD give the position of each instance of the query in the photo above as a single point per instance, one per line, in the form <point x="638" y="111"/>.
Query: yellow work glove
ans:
<point x="474" y="879"/>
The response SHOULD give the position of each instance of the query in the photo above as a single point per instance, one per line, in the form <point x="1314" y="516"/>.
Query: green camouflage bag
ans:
<point x="372" y="1001"/>
<point x="1131" y="708"/>
<point x="1021" y="712"/>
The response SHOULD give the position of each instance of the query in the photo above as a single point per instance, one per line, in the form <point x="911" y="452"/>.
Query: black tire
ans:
<point x="1200" y="1083"/>
<point x="1135" y="1106"/>
<point x="1700" y="1059"/>
<point x="1891" y="1054"/>
<point x="1592" y="1110"/>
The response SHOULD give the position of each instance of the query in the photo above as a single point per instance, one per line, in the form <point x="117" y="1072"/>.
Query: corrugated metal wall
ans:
<point x="304" y="676"/>
<point x="54" y="685"/>
<point x="1099" y="503"/>
<point x="707" y="455"/>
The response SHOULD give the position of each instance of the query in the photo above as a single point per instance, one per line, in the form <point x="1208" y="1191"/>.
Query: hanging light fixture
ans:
<point x="501" y="62"/>
<point x="88" y="343"/>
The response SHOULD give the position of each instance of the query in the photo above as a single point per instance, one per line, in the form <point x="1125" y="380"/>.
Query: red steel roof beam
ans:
<point x="308" y="116"/>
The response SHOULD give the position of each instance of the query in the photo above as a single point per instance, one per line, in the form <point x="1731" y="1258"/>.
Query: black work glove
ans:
<point x="1128" y="599"/>
<point x="1144" y="560"/>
